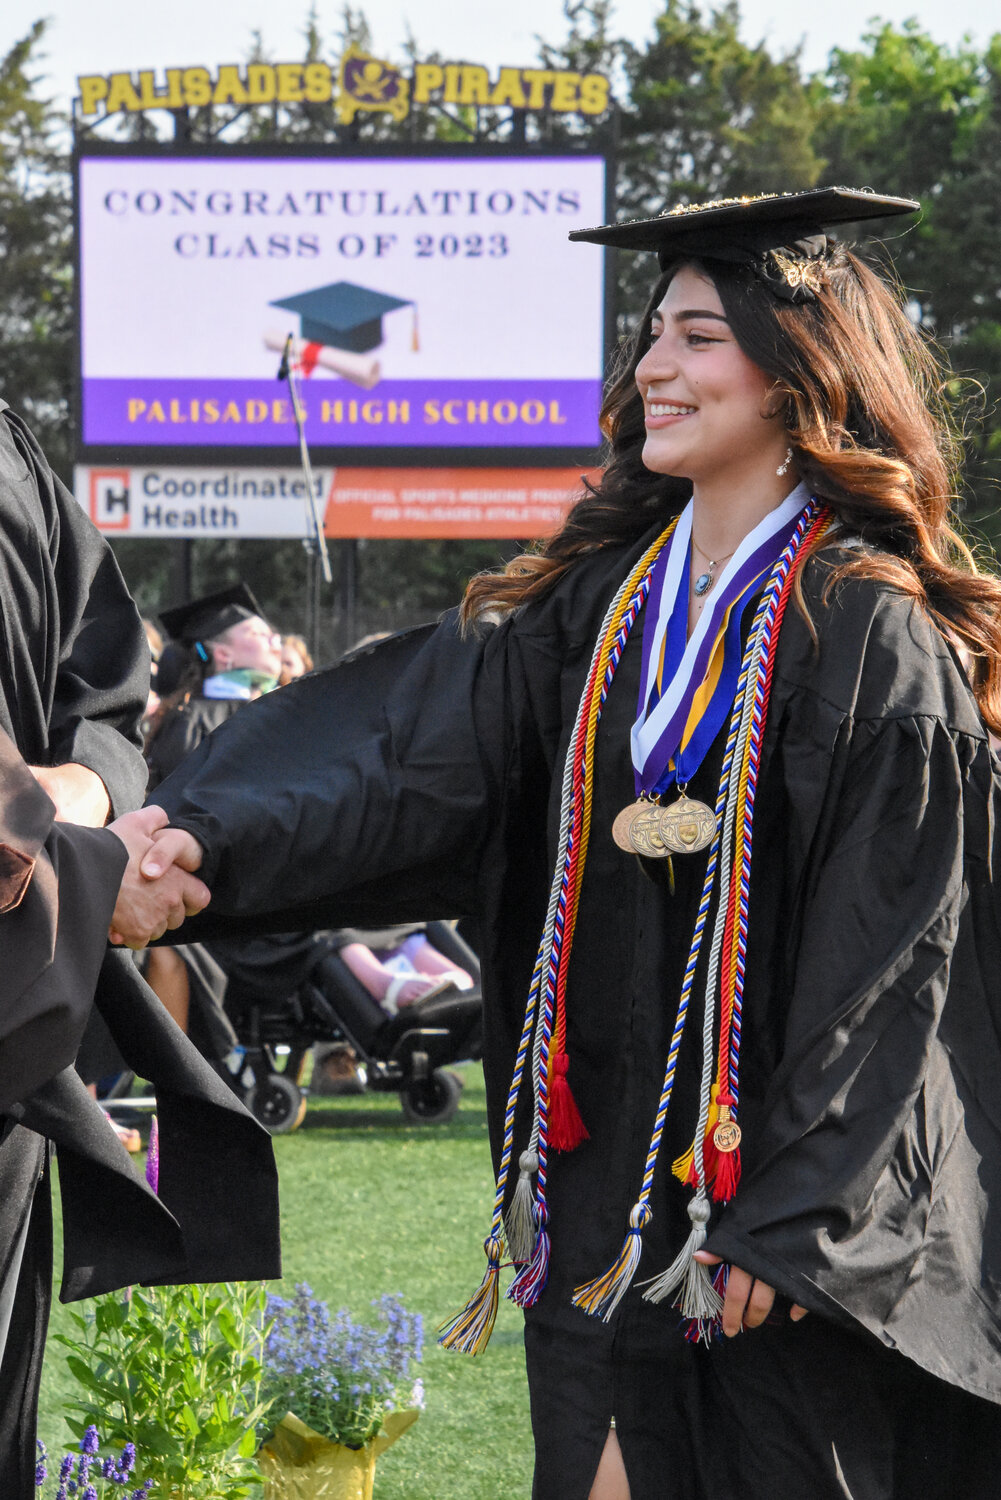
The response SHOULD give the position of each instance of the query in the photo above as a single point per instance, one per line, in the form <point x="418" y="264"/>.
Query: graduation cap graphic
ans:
<point x="345" y="316"/>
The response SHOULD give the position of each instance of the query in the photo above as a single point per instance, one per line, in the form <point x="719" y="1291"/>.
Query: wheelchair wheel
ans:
<point x="277" y="1104"/>
<point x="432" y="1101"/>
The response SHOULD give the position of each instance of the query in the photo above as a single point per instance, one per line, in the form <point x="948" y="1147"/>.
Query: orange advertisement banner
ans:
<point x="490" y="503"/>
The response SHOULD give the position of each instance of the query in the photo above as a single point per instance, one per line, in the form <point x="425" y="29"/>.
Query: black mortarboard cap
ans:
<point x="748" y="229"/>
<point x="206" y="618"/>
<point x="343" y="315"/>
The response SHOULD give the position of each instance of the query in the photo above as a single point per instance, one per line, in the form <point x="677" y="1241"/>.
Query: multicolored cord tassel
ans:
<point x="687" y="1281"/>
<point x="714" y="1160"/>
<point x="527" y="1230"/>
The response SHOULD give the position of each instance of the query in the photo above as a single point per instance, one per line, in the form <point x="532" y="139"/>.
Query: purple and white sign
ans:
<point x="434" y="302"/>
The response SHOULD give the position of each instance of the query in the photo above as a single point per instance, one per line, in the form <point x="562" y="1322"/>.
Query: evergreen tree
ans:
<point x="967" y="308"/>
<point x="909" y="115"/>
<point x="36" y="254"/>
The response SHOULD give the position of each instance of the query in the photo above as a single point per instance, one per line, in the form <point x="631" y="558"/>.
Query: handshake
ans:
<point x="159" y="888"/>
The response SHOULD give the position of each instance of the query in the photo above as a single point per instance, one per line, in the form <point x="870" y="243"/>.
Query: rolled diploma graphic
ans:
<point x="362" y="369"/>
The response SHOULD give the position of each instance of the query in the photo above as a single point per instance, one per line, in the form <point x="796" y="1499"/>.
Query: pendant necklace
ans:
<point x="705" y="580"/>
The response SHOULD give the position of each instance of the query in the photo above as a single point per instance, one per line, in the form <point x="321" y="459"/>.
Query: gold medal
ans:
<point x="645" y="833"/>
<point x="622" y="824"/>
<point x="726" y="1136"/>
<point x="686" y="826"/>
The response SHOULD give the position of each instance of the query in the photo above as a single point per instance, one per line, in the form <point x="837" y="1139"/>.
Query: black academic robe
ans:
<point x="74" y="673"/>
<point x="267" y="964"/>
<point x="421" y="778"/>
<point x="184" y="728"/>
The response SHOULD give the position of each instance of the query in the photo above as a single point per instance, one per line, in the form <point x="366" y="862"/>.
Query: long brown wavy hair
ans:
<point x="863" y="401"/>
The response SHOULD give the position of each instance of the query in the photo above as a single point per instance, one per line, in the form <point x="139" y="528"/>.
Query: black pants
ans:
<point x="26" y="1280"/>
<point x="801" y="1411"/>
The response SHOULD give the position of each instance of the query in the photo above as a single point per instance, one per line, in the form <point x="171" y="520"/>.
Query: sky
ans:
<point x="102" y="36"/>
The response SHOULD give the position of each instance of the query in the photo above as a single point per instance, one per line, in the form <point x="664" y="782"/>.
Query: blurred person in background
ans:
<point x="296" y="660"/>
<point x="399" y="966"/>
<point x="155" y="642"/>
<point x="224" y="654"/>
<point x="231" y="655"/>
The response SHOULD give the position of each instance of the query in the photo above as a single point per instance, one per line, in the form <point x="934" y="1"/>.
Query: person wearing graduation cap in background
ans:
<point x="708" y="772"/>
<point x="233" y="656"/>
<point x="231" y="660"/>
<point x="74" y="674"/>
<point x="228" y="655"/>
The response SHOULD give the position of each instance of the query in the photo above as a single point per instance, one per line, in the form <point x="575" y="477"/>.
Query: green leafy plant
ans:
<point x="176" y="1371"/>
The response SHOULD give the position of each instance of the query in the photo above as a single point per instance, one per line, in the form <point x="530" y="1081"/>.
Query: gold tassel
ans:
<point x="682" y="1168"/>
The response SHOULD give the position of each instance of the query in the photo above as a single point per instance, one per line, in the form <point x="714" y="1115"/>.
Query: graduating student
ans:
<point x="74" y="674"/>
<point x="708" y="772"/>
<point x="233" y="656"/>
<point x="226" y="655"/>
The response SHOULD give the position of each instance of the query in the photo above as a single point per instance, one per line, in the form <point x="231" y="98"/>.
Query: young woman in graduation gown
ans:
<point x="825" y="1011"/>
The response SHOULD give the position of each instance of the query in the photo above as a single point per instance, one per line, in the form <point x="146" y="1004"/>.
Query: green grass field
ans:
<point x="370" y="1205"/>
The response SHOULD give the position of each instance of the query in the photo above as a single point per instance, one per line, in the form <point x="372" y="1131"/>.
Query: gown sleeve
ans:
<point x="102" y="668"/>
<point x="410" y="781"/>
<point x="55" y="942"/>
<point x="358" y="796"/>
<point x="868" y="1183"/>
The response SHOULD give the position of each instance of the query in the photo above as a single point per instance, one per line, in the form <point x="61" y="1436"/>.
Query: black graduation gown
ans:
<point x="421" y="778"/>
<point x="75" y="663"/>
<point x="183" y="729"/>
<point x="74" y="672"/>
<point x="268" y="964"/>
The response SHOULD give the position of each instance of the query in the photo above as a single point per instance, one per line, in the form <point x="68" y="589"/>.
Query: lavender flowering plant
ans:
<point x="85" y="1475"/>
<point x="338" y="1376"/>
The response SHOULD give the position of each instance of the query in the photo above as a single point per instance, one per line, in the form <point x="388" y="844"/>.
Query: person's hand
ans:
<point x="159" y="892"/>
<point x="78" y="792"/>
<point x="748" y="1301"/>
<point x="171" y="846"/>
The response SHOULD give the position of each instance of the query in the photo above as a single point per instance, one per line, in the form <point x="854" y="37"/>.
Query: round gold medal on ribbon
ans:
<point x="624" y="821"/>
<point x="686" y="826"/>
<point x="645" y="833"/>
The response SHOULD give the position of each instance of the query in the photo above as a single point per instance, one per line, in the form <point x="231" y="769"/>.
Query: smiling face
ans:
<point x="710" y="412"/>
